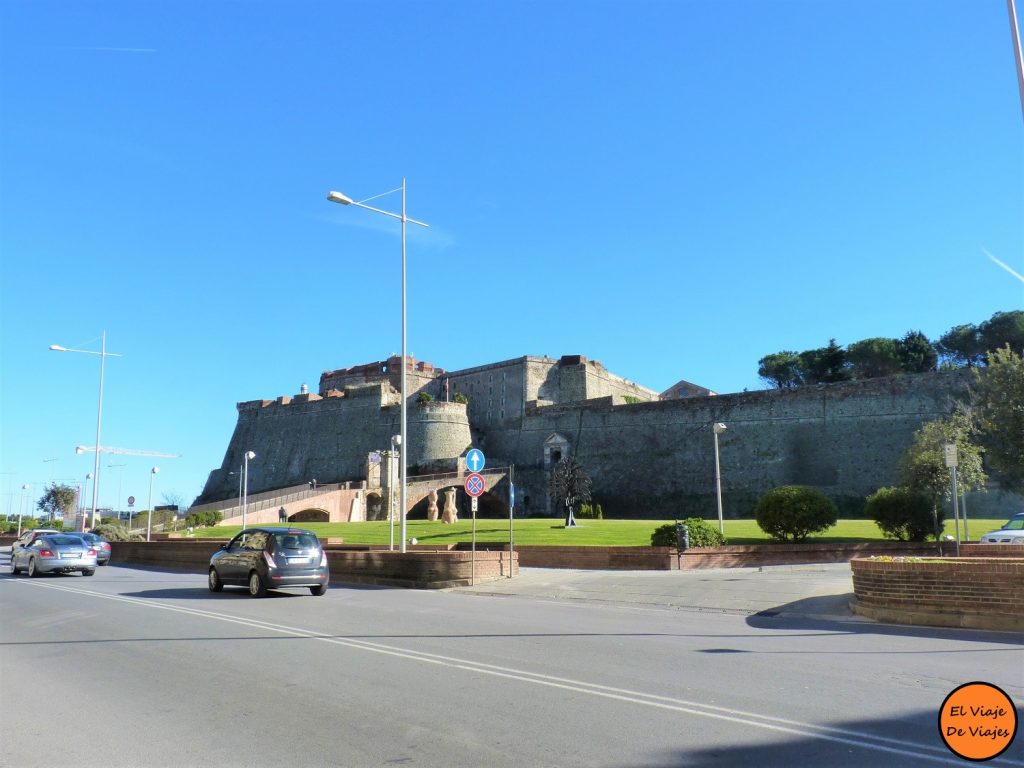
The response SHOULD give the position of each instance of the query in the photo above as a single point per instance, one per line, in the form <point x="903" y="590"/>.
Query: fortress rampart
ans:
<point x="647" y="459"/>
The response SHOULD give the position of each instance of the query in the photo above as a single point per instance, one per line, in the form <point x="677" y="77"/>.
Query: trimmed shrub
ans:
<point x="116" y="532"/>
<point x="425" y="397"/>
<point x="702" y="534"/>
<point x="460" y="398"/>
<point x="204" y="519"/>
<point x="903" y="514"/>
<point x="792" y="512"/>
<point x="590" y="512"/>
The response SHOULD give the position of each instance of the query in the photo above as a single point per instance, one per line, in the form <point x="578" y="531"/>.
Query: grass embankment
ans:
<point x="551" y="532"/>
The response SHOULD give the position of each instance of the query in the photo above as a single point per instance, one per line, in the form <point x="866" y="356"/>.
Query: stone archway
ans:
<point x="375" y="507"/>
<point x="310" y="516"/>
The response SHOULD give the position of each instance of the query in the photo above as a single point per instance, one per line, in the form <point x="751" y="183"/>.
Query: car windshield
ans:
<point x="92" y="538"/>
<point x="295" y="541"/>
<point x="1015" y="523"/>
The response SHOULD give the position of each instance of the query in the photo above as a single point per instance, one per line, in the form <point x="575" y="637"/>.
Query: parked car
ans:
<point x="271" y="558"/>
<point x="101" y="545"/>
<point x="1012" y="532"/>
<point x="55" y="553"/>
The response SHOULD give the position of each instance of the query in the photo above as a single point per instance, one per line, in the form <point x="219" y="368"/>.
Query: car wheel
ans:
<point x="32" y="572"/>
<point x="214" y="581"/>
<point x="318" y="590"/>
<point x="88" y="571"/>
<point x="256" y="586"/>
<point x="15" y="570"/>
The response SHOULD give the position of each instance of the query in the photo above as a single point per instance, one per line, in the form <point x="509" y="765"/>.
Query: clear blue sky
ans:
<point x="673" y="188"/>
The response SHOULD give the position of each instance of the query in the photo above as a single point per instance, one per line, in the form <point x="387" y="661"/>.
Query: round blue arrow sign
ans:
<point x="475" y="460"/>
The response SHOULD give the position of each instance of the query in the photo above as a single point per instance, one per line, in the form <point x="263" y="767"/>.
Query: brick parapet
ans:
<point x="424" y="569"/>
<point x="979" y="592"/>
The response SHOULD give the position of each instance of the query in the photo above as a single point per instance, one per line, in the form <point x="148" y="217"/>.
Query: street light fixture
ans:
<point x="85" y="488"/>
<point x="21" y="509"/>
<point x="120" y="485"/>
<point x="99" y="412"/>
<point x="718" y="429"/>
<point x="245" y="482"/>
<point x="338" y="197"/>
<point x="149" y="519"/>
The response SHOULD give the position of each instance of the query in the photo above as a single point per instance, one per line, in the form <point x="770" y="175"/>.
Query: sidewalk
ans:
<point x="822" y="590"/>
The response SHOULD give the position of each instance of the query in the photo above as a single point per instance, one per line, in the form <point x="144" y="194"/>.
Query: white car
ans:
<point x="1012" y="532"/>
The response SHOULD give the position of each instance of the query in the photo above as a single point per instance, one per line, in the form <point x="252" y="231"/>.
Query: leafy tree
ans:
<point x="1001" y="330"/>
<point x="424" y="397"/>
<point x="569" y="485"/>
<point x="57" y="500"/>
<point x="924" y="464"/>
<point x="782" y="370"/>
<point x="999" y="398"/>
<point x="792" y="512"/>
<point x="961" y="346"/>
<point x="460" y="398"/>
<point x="917" y="354"/>
<point x="872" y="358"/>
<point x="902" y="514"/>
<point x="825" y="365"/>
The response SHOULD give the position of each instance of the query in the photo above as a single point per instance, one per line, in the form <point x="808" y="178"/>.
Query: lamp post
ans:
<point x="718" y="429"/>
<point x="120" y="484"/>
<point x="338" y="197"/>
<point x="245" y="482"/>
<point x="88" y="477"/>
<point x="99" y="413"/>
<point x="149" y="519"/>
<point x="21" y="509"/>
<point x="396" y="442"/>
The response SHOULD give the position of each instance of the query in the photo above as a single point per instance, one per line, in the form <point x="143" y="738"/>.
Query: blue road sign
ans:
<point x="474" y="484"/>
<point x="475" y="460"/>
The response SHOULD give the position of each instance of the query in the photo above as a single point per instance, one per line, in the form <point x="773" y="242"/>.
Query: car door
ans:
<point x="251" y="554"/>
<point x="228" y="565"/>
<point x="18" y="549"/>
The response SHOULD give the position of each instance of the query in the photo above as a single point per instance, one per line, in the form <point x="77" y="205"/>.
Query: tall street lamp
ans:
<point x="396" y="443"/>
<point x="338" y="197"/>
<point x="99" y="413"/>
<point x="120" y="484"/>
<point x="718" y="429"/>
<point x="149" y="519"/>
<point x="85" y="488"/>
<point x="249" y="455"/>
<point x="21" y="509"/>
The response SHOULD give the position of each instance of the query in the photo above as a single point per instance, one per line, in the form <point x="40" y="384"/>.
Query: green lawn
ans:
<point x="588" y="532"/>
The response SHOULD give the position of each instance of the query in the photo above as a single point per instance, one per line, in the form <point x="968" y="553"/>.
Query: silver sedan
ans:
<point x="55" y="553"/>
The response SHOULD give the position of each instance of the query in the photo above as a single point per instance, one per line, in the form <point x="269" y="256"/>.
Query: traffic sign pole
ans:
<point x="511" y="514"/>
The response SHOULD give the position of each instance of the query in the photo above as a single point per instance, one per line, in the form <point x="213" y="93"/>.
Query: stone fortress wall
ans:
<point x="652" y="458"/>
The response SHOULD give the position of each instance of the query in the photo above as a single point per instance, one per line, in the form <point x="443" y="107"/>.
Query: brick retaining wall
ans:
<point x="429" y="569"/>
<point x="733" y="556"/>
<point x="976" y="592"/>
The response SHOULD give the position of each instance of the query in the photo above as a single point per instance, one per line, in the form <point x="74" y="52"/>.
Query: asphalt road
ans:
<point x="147" y="668"/>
